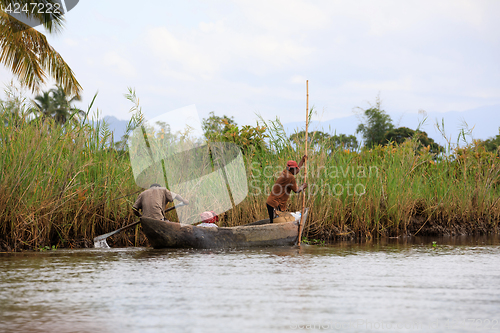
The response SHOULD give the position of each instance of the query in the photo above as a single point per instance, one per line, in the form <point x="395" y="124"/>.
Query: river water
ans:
<point x="452" y="285"/>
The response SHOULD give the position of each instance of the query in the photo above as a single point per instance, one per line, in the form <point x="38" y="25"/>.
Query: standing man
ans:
<point x="283" y="186"/>
<point x="152" y="202"/>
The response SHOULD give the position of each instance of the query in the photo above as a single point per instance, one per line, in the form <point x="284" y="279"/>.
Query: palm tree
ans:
<point x="44" y="105"/>
<point x="56" y="104"/>
<point x="63" y="110"/>
<point x="28" y="54"/>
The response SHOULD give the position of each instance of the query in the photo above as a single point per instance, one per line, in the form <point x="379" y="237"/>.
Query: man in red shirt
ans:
<point x="283" y="186"/>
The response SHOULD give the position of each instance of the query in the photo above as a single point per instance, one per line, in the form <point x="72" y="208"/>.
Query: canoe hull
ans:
<point x="163" y="234"/>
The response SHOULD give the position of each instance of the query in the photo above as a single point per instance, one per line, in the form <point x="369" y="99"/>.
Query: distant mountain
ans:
<point x="117" y="126"/>
<point x="485" y="122"/>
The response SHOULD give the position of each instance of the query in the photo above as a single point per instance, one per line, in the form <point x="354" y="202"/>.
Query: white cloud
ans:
<point x="284" y="17"/>
<point x="214" y="48"/>
<point x="388" y="16"/>
<point x="242" y="57"/>
<point x="174" y="52"/>
<point x="118" y="64"/>
<point x="212" y="27"/>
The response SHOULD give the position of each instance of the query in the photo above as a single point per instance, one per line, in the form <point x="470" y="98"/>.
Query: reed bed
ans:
<point x="389" y="191"/>
<point x="60" y="185"/>
<point x="64" y="185"/>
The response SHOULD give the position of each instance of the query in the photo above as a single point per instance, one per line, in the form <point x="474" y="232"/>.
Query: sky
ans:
<point x="249" y="58"/>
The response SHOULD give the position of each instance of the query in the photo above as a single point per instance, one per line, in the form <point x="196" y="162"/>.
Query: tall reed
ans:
<point x="64" y="185"/>
<point x="395" y="190"/>
<point x="59" y="184"/>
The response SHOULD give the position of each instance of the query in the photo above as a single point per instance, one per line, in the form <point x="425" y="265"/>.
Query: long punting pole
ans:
<point x="302" y="218"/>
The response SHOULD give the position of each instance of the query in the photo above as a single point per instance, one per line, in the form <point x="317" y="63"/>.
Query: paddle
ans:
<point x="303" y="215"/>
<point x="100" y="241"/>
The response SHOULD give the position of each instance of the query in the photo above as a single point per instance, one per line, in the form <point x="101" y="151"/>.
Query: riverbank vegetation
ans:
<point x="64" y="182"/>
<point x="60" y="180"/>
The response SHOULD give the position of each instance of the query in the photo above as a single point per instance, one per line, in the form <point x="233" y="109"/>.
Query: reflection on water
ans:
<point x="414" y="285"/>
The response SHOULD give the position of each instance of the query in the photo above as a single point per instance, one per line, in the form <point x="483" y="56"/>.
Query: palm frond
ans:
<point x="30" y="57"/>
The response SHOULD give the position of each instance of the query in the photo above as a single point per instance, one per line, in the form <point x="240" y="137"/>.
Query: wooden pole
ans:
<point x="302" y="219"/>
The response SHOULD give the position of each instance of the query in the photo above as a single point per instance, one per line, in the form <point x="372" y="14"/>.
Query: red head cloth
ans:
<point x="209" y="217"/>
<point x="292" y="164"/>
<point x="215" y="218"/>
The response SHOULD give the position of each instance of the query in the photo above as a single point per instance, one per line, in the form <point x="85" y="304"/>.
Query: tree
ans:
<point x="493" y="143"/>
<point x="318" y="139"/>
<point x="224" y="129"/>
<point x="44" y="105"/>
<point x="57" y="105"/>
<point x="314" y="138"/>
<point x="376" y="124"/>
<point x="64" y="111"/>
<point x="401" y="134"/>
<point x="214" y="125"/>
<point x="344" y="141"/>
<point x="28" y="54"/>
<point x="247" y="137"/>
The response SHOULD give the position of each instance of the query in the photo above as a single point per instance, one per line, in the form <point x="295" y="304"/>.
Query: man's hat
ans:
<point x="292" y="164"/>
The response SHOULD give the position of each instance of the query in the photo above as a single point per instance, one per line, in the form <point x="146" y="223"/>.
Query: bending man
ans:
<point x="152" y="202"/>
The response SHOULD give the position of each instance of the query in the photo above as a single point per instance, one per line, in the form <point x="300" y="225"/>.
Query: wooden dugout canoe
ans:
<point x="165" y="234"/>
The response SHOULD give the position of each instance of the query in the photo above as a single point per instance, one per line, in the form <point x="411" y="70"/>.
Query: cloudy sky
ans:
<point x="243" y="58"/>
